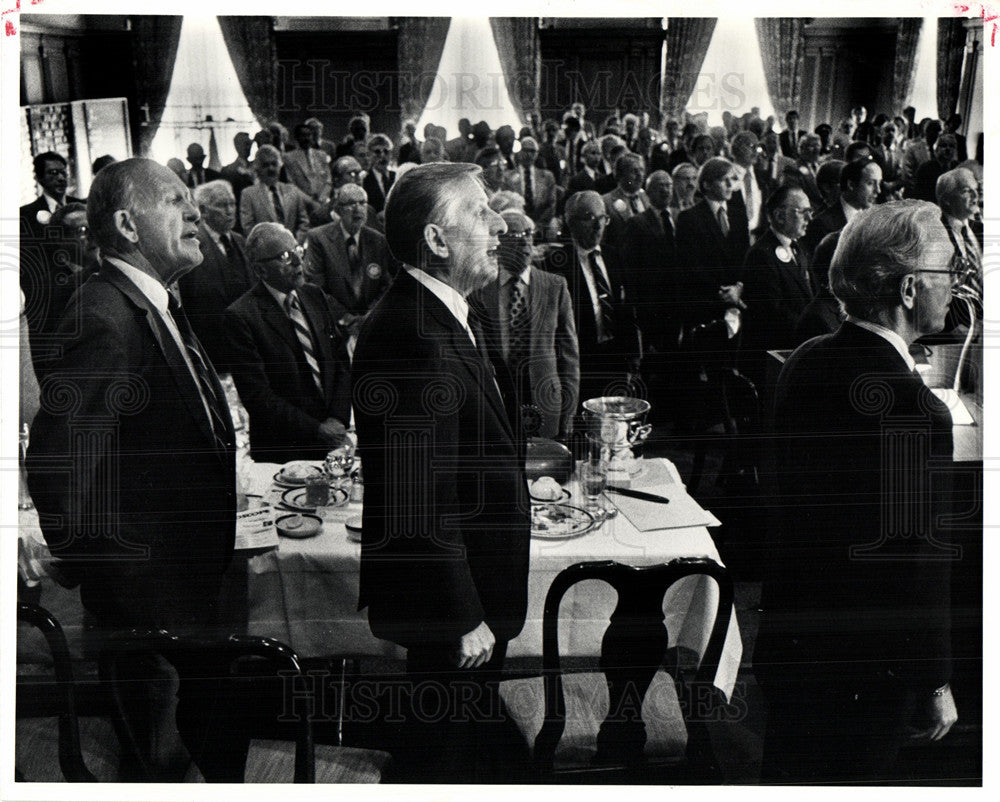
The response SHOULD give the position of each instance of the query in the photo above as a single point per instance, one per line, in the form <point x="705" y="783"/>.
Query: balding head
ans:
<point x="586" y="218"/>
<point x="659" y="187"/>
<point x="346" y="170"/>
<point x="267" y="164"/>
<point x="217" y="205"/>
<point x="351" y="203"/>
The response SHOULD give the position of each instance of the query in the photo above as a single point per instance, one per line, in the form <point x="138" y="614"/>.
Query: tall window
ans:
<point x="732" y="77"/>
<point x="203" y="85"/>
<point x="924" y="98"/>
<point x="469" y="81"/>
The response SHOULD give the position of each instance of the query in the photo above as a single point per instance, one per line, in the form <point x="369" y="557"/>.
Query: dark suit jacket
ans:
<point x="619" y="214"/>
<point x="776" y="294"/>
<point x="925" y="181"/>
<point x="650" y="250"/>
<point x="207" y="175"/>
<point x="554" y="366"/>
<point x="831" y="219"/>
<point x="273" y="379"/>
<point x="143" y="514"/>
<point x="580" y="181"/>
<point x="327" y="266"/>
<point x="860" y="573"/>
<point x="376" y="197"/>
<point x="785" y="143"/>
<point x="708" y="259"/>
<point x="799" y="175"/>
<point x="445" y="540"/>
<point x="28" y="214"/>
<point x="543" y="192"/>
<point x="208" y="289"/>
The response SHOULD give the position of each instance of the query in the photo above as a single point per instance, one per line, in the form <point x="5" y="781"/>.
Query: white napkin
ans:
<point x="682" y="511"/>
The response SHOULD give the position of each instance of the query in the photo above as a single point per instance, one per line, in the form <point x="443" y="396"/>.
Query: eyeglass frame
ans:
<point x="285" y="257"/>
<point x="957" y="276"/>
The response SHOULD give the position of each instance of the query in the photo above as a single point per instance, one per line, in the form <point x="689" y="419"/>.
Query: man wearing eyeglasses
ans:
<point x="349" y="260"/>
<point x="854" y="654"/>
<point x="287" y="355"/>
<point x="52" y="175"/>
<point x="379" y="180"/>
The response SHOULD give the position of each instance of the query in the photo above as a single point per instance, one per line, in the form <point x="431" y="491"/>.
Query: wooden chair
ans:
<point x="34" y="732"/>
<point x="623" y="747"/>
<point x="231" y="668"/>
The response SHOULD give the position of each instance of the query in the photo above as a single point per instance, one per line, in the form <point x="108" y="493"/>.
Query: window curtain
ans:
<point x="687" y="43"/>
<point x="905" y="70"/>
<point x="251" y="46"/>
<point x="419" y="48"/>
<point x="521" y="59"/>
<point x="950" y="53"/>
<point x="782" y="52"/>
<point x="154" y="50"/>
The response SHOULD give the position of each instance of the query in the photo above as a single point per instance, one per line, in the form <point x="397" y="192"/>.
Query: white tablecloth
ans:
<point x="305" y="592"/>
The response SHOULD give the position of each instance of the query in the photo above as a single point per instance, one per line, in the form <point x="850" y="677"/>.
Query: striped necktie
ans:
<point x="604" y="297"/>
<point x="203" y="371"/>
<point x="294" y="309"/>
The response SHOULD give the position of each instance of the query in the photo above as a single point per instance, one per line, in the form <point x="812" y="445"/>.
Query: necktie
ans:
<point x="294" y="310"/>
<point x="971" y="250"/>
<point x="636" y="204"/>
<point x="352" y="252"/>
<point x="529" y="192"/>
<point x="477" y="334"/>
<point x="203" y="371"/>
<point x="279" y="210"/>
<point x="723" y="219"/>
<point x="520" y="339"/>
<point x="224" y="244"/>
<point x="604" y="297"/>
<point x="748" y="194"/>
<point x="668" y="223"/>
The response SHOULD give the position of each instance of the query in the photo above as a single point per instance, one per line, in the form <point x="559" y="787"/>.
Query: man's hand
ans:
<point x="332" y="432"/>
<point x="940" y="714"/>
<point x="475" y="648"/>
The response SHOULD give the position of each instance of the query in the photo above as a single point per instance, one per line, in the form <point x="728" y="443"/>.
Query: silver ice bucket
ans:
<point x="617" y="424"/>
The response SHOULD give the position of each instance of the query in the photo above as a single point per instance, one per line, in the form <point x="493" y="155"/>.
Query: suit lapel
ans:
<point x="185" y="382"/>
<point x="275" y="316"/>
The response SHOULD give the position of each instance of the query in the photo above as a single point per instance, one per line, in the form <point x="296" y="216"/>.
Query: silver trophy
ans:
<point x="616" y="425"/>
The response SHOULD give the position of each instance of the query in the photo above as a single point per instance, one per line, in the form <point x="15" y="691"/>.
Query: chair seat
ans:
<point x="36" y="747"/>
<point x="586" y="697"/>
<point x="274" y="762"/>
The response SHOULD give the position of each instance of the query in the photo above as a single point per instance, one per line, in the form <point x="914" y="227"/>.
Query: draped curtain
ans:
<point x="154" y="50"/>
<point x="905" y="70"/>
<point x="950" y="53"/>
<point x="687" y="43"/>
<point x="251" y="46"/>
<point x="419" y="48"/>
<point x="521" y="59"/>
<point x="782" y="53"/>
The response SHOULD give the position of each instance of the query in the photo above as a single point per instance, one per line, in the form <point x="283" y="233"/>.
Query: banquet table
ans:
<point x="304" y="593"/>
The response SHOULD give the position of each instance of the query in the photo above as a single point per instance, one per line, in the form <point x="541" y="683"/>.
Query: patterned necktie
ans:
<point x="203" y="372"/>
<point x="520" y="339"/>
<point x="279" y="210"/>
<point x="723" y="219"/>
<point x="748" y="193"/>
<point x="294" y="310"/>
<point x="972" y="250"/>
<point x="529" y="192"/>
<point x="604" y="297"/>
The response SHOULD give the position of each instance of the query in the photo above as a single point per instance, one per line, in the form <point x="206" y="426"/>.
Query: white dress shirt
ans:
<point x="889" y="336"/>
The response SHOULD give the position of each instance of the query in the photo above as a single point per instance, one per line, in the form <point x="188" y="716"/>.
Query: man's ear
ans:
<point x="908" y="291"/>
<point x="125" y="224"/>
<point x="434" y="237"/>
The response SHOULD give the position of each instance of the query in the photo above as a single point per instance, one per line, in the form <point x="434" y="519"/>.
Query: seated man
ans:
<point x="287" y="355"/>
<point x="348" y="260"/>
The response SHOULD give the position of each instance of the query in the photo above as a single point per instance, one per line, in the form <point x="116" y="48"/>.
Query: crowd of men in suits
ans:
<point x="612" y="250"/>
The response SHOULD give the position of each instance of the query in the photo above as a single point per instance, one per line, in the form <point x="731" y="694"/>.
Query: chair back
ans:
<point x="70" y="754"/>
<point x="634" y="644"/>
<point x="198" y="659"/>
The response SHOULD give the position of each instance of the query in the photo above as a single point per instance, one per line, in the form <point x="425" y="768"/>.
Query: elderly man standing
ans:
<point x="223" y="275"/>
<point x="348" y="260"/>
<point x="530" y="314"/>
<point x="854" y="654"/>
<point x="535" y="184"/>
<point x="627" y="199"/>
<point x="444" y="553"/>
<point x="309" y="167"/>
<point x="378" y="181"/>
<point x="271" y="200"/>
<point x="52" y="175"/>
<point x="287" y="354"/>
<point x="132" y="458"/>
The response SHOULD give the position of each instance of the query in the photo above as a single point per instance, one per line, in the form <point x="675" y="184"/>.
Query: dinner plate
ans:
<point x="299" y="525"/>
<point x="353" y="526"/>
<point x="295" y="499"/>
<point x="559" y="521"/>
<point x="282" y="480"/>
<point x="564" y="494"/>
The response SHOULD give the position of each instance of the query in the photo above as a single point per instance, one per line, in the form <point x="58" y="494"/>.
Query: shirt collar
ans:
<point x="344" y="231"/>
<point x="585" y="253"/>
<point x="889" y="336"/>
<point x="278" y="295"/>
<point x="52" y="202"/>
<point x="151" y="287"/>
<point x="447" y="294"/>
<point x="785" y="241"/>
<point x="715" y="206"/>
<point x="524" y="276"/>
<point x="590" y="171"/>
<point x="215" y="235"/>
<point x="954" y="223"/>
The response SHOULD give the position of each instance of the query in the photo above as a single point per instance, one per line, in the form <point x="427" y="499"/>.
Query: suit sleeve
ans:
<point x="301" y="214"/>
<point x="254" y="386"/>
<point x="247" y="218"/>
<point x="315" y="262"/>
<point x="567" y="359"/>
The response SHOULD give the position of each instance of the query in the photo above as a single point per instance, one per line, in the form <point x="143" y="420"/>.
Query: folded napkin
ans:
<point x="682" y="511"/>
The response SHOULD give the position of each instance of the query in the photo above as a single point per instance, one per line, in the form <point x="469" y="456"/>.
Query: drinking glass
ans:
<point x="593" y="480"/>
<point x="24" y="501"/>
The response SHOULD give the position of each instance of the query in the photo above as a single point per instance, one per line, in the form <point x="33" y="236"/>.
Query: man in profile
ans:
<point x="854" y="654"/>
<point x="444" y="553"/>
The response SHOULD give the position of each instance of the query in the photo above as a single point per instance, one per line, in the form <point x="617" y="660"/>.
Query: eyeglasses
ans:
<point x="517" y="235"/>
<point x="359" y="202"/>
<point x="806" y="213"/>
<point x="959" y="275"/>
<point x="378" y="151"/>
<point x="591" y="219"/>
<point x="292" y="257"/>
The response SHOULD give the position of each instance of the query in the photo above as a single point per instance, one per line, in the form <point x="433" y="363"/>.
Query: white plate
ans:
<point x="564" y="494"/>
<point x="299" y="525"/>
<point x="296" y="498"/>
<point x="559" y="521"/>
<point x="353" y="526"/>
<point x="285" y="481"/>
